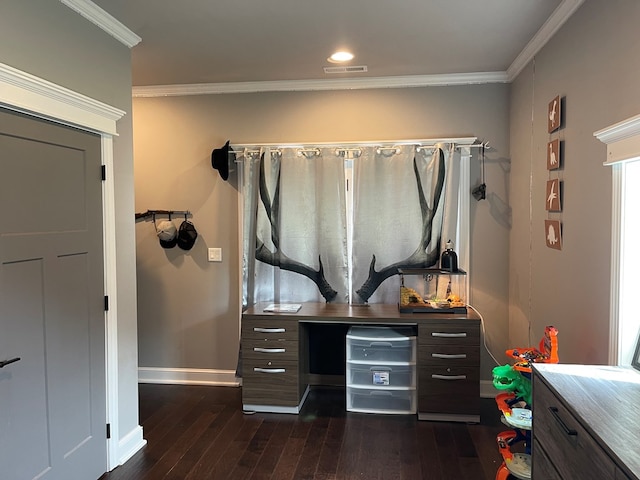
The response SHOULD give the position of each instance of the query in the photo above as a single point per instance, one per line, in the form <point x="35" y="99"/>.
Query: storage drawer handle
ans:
<point x="449" y="377"/>
<point x="381" y="344"/>
<point x="269" y="350"/>
<point x="565" y="428"/>
<point x="449" y="335"/>
<point x="381" y="369"/>
<point x="268" y="370"/>
<point x="447" y="355"/>
<point x="269" y="330"/>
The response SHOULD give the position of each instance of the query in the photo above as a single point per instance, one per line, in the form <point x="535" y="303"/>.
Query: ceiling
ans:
<point x="269" y="42"/>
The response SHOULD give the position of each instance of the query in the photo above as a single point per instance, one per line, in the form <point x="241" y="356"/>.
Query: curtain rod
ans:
<point x="470" y="142"/>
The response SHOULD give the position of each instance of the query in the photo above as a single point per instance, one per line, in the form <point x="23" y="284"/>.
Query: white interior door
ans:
<point x="52" y="400"/>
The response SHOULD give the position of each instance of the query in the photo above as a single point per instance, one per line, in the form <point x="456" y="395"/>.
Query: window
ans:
<point x="623" y="156"/>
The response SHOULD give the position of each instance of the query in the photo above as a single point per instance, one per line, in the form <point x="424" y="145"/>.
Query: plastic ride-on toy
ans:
<point x="515" y="403"/>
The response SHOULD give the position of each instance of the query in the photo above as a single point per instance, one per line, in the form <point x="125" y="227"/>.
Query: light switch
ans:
<point x="215" y="254"/>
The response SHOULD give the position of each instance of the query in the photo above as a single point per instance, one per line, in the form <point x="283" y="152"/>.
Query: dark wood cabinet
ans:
<point x="270" y="363"/>
<point x="275" y="356"/>
<point x="585" y="422"/>
<point x="449" y="370"/>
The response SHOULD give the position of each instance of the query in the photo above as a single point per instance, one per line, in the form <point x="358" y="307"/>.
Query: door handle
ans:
<point x="4" y="363"/>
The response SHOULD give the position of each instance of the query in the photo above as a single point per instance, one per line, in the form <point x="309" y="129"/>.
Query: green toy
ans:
<point x="507" y="378"/>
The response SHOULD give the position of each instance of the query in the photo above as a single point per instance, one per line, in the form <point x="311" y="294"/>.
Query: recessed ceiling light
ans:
<point x="340" y="57"/>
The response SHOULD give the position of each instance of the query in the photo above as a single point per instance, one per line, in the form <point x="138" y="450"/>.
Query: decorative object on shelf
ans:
<point x="553" y="196"/>
<point x="554" y="114"/>
<point x="449" y="258"/>
<point x="220" y="160"/>
<point x="553" y="154"/>
<point x="553" y="234"/>
<point x="424" y="290"/>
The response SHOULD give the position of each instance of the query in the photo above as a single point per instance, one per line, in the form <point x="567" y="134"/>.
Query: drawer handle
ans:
<point x="269" y="330"/>
<point x="449" y="335"/>
<point x="269" y="370"/>
<point x="381" y="369"/>
<point x="447" y="355"/>
<point x="269" y="350"/>
<point x="565" y="428"/>
<point x="381" y="344"/>
<point x="449" y="377"/>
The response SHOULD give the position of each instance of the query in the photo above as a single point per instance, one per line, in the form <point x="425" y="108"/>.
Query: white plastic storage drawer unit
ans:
<point x="381" y="370"/>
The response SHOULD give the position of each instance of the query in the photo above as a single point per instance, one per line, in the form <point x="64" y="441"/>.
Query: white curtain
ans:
<point x="295" y="226"/>
<point x="295" y="221"/>
<point x="400" y="199"/>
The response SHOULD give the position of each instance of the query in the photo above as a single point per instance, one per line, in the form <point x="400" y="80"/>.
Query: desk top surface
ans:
<point x="367" y="313"/>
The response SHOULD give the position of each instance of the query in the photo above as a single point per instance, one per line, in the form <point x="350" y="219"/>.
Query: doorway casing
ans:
<point x="30" y="95"/>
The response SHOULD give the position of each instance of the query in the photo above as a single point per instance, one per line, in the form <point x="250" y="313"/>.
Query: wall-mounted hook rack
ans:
<point x="153" y="213"/>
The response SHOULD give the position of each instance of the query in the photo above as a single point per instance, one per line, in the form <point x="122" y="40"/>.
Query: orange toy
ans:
<point x="547" y="351"/>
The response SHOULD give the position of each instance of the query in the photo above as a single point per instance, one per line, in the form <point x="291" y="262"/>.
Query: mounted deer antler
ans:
<point x="420" y="258"/>
<point x="277" y="258"/>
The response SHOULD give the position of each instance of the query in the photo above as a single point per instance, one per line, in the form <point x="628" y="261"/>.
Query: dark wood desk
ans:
<point x="275" y="362"/>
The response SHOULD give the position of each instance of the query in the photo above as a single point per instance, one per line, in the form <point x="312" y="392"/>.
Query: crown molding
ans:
<point x="102" y="19"/>
<point x="319" y="84"/>
<point x="22" y="91"/>
<point x="619" y="131"/>
<point x="540" y="39"/>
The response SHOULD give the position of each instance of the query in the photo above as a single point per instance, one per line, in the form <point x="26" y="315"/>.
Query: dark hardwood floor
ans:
<point x="196" y="432"/>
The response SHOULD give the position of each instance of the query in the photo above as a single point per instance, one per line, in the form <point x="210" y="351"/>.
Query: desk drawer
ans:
<point x="270" y="382"/>
<point x="450" y="390"/>
<point x="449" y="355"/>
<point x="541" y="465"/>
<point x="265" y="330"/>
<point x="449" y="333"/>
<point x="381" y="401"/>
<point x="569" y="447"/>
<point x="379" y="351"/>
<point x="373" y="376"/>
<point x="270" y="349"/>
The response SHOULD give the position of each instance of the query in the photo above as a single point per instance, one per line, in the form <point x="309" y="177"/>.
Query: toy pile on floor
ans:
<point x="515" y="404"/>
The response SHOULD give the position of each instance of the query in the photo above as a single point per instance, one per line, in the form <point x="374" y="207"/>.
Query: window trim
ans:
<point x="623" y="145"/>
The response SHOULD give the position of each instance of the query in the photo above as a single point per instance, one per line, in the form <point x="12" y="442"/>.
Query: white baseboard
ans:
<point x="130" y="444"/>
<point x="188" y="376"/>
<point x="487" y="390"/>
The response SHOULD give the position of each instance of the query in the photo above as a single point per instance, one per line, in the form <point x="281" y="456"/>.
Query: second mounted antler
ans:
<point x="420" y="258"/>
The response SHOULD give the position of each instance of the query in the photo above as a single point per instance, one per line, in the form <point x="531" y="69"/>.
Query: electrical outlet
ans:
<point x="215" y="254"/>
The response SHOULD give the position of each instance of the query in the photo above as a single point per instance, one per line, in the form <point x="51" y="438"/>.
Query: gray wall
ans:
<point x="188" y="308"/>
<point x="49" y="40"/>
<point x="593" y="63"/>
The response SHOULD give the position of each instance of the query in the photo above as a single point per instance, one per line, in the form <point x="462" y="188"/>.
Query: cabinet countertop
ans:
<point x="607" y="400"/>
<point x="367" y="313"/>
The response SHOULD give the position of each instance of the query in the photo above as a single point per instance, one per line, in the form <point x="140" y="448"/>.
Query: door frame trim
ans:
<point x="34" y="96"/>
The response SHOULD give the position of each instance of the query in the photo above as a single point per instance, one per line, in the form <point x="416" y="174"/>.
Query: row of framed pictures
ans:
<point x="553" y="228"/>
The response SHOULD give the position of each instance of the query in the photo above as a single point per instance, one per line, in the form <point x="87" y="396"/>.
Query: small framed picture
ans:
<point x="554" y="114"/>
<point x="553" y="154"/>
<point x="553" y="234"/>
<point x="552" y="202"/>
